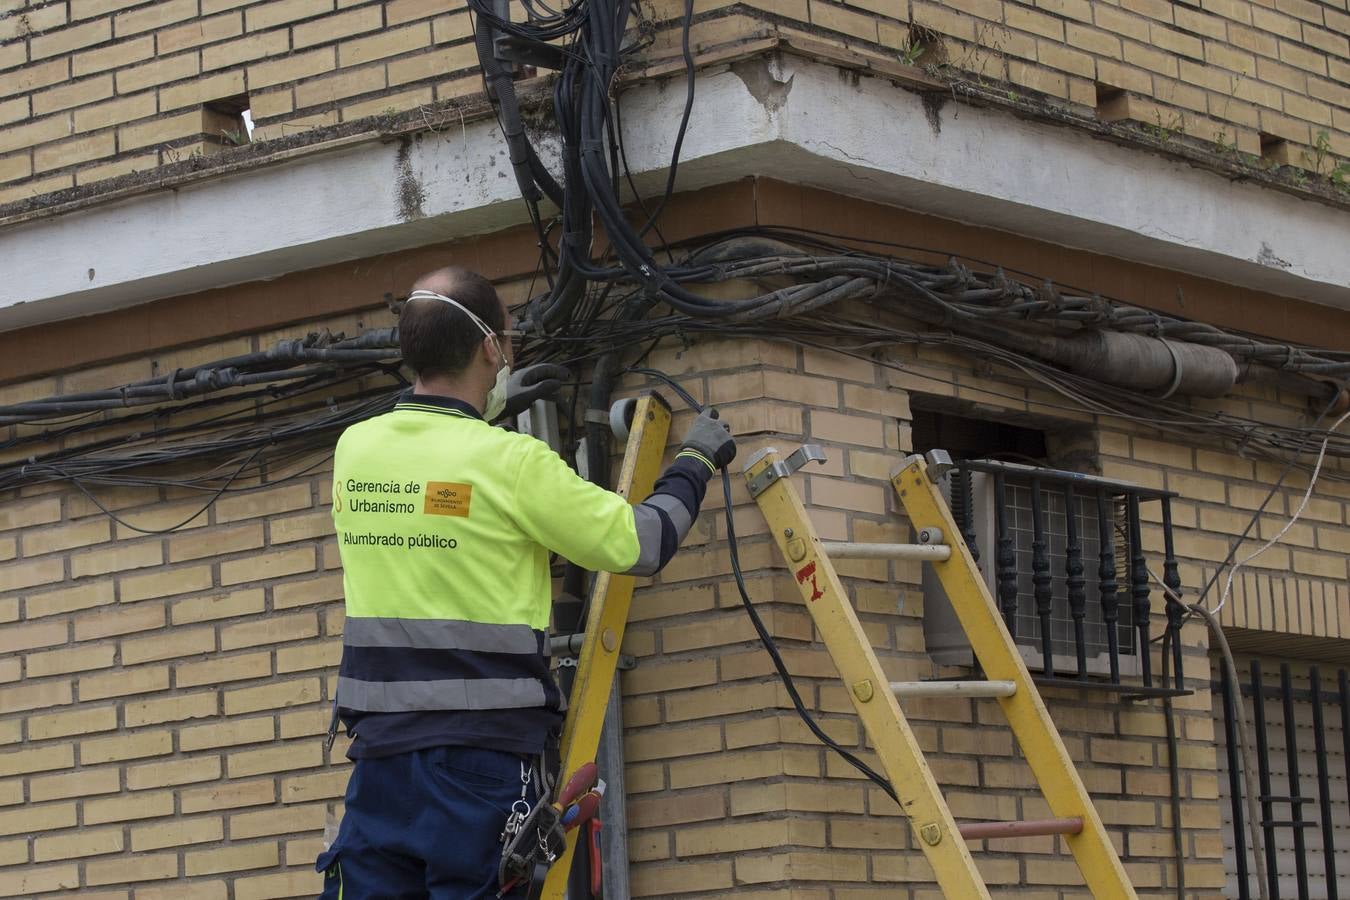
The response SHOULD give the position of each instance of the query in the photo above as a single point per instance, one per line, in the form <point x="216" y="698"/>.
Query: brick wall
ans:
<point x="730" y="790"/>
<point x="90" y="89"/>
<point x="741" y="801"/>
<point x="162" y="696"/>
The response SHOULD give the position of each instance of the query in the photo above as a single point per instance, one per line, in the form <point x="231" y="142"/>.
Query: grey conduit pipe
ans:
<point x="1164" y="367"/>
<point x="1140" y="362"/>
<point x="1159" y="365"/>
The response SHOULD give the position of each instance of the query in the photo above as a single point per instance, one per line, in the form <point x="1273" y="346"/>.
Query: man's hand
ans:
<point x="537" y="382"/>
<point x="710" y="438"/>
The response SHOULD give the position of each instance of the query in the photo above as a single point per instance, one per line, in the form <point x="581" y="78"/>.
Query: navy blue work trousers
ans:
<point x="422" y="825"/>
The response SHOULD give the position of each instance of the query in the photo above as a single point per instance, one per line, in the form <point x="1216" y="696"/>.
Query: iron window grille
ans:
<point x="1075" y="591"/>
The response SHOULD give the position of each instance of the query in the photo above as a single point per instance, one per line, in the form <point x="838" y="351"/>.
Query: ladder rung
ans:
<point x="855" y="550"/>
<point x="975" y="689"/>
<point x="983" y="831"/>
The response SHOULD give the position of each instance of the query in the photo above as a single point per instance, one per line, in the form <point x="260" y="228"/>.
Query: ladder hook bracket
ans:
<point x="939" y="463"/>
<point x="783" y="468"/>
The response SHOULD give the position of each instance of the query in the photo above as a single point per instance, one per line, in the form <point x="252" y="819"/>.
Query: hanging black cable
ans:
<point x="765" y="638"/>
<point x="689" y="79"/>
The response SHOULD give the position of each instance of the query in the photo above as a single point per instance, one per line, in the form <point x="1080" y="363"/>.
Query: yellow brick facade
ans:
<point x="163" y="695"/>
<point x="93" y="90"/>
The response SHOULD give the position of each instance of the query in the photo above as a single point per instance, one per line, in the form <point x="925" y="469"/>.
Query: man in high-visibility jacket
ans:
<point x="445" y="525"/>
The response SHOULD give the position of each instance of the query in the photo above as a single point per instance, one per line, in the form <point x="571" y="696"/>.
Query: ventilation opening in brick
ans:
<point x="1275" y="150"/>
<point x="1106" y="92"/>
<point x="227" y="121"/>
<point x="923" y="47"/>
<point x="1111" y="102"/>
<point x="973" y="438"/>
<point x="967" y="431"/>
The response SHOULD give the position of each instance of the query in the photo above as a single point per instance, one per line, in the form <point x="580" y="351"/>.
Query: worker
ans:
<point x="445" y="525"/>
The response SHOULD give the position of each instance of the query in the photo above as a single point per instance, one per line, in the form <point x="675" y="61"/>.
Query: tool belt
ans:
<point x="535" y="837"/>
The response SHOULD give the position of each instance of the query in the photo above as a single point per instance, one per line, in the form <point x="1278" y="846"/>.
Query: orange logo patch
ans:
<point x="447" y="498"/>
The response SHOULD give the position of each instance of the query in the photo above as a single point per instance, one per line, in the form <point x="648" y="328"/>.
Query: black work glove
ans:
<point x="710" y="438"/>
<point x="537" y="382"/>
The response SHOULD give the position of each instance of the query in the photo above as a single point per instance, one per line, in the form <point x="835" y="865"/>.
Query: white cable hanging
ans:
<point x="1307" y="495"/>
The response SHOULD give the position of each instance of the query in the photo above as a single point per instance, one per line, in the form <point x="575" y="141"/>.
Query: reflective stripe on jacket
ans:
<point x="444" y="524"/>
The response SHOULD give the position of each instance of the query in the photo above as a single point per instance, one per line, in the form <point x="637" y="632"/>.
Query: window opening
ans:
<point x="1049" y="446"/>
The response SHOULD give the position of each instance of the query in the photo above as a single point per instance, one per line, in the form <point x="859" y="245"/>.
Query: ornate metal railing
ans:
<point x="1069" y="570"/>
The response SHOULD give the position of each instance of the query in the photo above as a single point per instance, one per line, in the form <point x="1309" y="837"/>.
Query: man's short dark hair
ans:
<point x="438" y="339"/>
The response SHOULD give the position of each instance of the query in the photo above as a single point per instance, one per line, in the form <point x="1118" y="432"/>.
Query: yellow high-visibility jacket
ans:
<point x="445" y="524"/>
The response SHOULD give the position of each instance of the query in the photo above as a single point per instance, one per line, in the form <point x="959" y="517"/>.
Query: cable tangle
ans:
<point x="806" y="287"/>
<point x="816" y="293"/>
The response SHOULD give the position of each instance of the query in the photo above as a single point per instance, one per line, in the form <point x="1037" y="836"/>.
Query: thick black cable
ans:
<point x="771" y="647"/>
<point x="605" y="335"/>
<point x="588" y="123"/>
<point x="287" y="441"/>
<point x="632" y="185"/>
<point x="596" y="334"/>
<point x="597" y="435"/>
<point x="689" y="79"/>
<point x="75" y="480"/>
<point x="765" y="638"/>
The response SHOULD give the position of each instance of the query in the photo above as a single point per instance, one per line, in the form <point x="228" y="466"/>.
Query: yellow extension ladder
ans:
<point x="875" y="698"/>
<point x="607" y="614"/>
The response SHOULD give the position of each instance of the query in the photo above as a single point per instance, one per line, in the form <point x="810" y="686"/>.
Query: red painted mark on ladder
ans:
<point x="809" y="571"/>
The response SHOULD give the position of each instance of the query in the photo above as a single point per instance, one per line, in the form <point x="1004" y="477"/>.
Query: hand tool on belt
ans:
<point x="534" y="839"/>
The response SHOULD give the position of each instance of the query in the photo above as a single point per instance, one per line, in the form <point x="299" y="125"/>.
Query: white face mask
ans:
<point x="496" y="398"/>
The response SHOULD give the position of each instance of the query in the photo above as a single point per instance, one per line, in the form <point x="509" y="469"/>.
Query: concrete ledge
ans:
<point x="769" y="114"/>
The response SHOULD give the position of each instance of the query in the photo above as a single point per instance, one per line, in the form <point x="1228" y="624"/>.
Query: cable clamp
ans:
<point x="959" y="272"/>
<point x="1101" y="309"/>
<point x="171" y="382"/>
<point x="1005" y="285"/>
<point x="1048" y="294"/>
<point x="1177" y="372"/>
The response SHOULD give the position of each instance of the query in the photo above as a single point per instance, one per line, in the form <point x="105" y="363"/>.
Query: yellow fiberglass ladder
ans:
<point x="876" y="699"/>
<point x="607" y="612"/>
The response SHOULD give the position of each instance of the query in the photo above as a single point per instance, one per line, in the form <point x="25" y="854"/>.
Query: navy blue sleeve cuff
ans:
<point x="664" y="519"/>
<point x="686" y="479"/>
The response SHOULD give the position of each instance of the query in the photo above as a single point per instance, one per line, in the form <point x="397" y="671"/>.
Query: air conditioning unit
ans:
<point x="947" y="644"/>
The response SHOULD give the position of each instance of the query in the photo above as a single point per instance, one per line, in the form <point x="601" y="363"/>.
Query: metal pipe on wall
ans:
<point x="613" y="811"/>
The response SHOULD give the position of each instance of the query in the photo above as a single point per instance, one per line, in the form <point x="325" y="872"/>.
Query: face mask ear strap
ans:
<point x="501" y="354"/>
<point x="482" y="326"/>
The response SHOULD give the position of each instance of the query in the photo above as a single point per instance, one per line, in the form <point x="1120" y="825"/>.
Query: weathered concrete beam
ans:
<point x="775" y="114"/>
